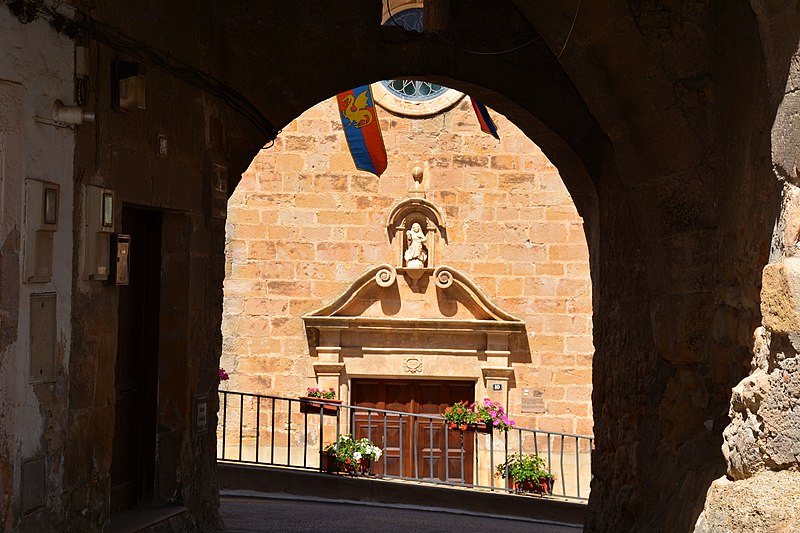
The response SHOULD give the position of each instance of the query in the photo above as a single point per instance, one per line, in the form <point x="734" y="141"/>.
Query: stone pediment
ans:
<point x="401" y="298"/>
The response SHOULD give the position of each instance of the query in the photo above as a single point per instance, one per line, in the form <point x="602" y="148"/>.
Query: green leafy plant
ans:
<point x="313" y="392"/>
<point x="353" y="455"/>
<point x="523" y="467"/>
<point x="460" y="415"/>
<point x="527" y="472"/>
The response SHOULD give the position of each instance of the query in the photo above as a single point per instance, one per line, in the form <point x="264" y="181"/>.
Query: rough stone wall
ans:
<point x="304" y="223"/>
<point x="761" y="444"/>
<point x="36" y="67"/>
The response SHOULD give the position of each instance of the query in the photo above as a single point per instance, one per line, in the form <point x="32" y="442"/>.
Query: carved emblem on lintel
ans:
<point x="413" y="365"/>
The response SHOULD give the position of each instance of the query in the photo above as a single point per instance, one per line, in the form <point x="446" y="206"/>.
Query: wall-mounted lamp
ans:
<point x="129" y="85"/>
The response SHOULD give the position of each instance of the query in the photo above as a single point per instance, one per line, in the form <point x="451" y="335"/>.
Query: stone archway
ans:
<point x="662" y="140"/>
<point x="675" y="274"/>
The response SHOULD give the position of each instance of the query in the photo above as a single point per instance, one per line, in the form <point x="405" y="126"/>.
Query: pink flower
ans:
<point x="223" y="375"/>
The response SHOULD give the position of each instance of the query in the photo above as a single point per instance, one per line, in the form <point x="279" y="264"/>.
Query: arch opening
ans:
<point x="512" y="233"/>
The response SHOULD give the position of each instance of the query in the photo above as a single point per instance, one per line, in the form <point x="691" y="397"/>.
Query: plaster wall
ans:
<point x="36" y="68"/>
<point x="304" y="223"/>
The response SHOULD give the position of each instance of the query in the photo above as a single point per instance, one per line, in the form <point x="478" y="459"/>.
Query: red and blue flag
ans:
<point x="486" y="122"/>
<point x="362" y="129"/>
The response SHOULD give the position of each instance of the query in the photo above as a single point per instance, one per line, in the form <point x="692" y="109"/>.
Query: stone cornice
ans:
<point x="414" y="324"/>
<point x="445" y="278"/>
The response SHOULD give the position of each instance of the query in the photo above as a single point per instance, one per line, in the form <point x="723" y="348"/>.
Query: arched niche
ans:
<point x="432" y="223"/>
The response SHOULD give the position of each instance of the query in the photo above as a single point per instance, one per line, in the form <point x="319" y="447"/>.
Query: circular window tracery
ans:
<point x="415" y="90"/>
<point x="412" y="97"/>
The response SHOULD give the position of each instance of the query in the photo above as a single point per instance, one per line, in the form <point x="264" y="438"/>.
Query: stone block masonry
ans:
<point x="304" y="224"/>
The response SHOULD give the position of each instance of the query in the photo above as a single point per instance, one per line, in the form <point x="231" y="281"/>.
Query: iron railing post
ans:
<point x="241" y="423"/>
<point x="258" y="425"/>
<point x="224" y="420"/>
<point x="272" y="435"/>
<point x="289" y="434"/>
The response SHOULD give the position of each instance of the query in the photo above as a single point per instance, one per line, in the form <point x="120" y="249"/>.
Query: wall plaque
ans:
<point x="532" y="401"/>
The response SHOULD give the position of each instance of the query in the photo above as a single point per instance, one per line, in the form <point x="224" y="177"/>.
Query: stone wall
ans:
<point x="304" y="223"/>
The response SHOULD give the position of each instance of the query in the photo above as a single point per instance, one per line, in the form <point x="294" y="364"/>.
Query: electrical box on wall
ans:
<point x="98" y="227"/>
<point x="42" y="337"/>
<point x="41" y="222"/>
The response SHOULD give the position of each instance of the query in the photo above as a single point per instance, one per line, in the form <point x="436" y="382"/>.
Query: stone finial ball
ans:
<point x="416" y="173"/>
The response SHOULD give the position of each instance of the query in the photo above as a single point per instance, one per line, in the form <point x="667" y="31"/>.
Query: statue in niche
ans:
<point x="416" y="253"/>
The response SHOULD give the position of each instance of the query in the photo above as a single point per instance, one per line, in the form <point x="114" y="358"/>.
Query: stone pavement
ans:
<point x="286" y="514"/>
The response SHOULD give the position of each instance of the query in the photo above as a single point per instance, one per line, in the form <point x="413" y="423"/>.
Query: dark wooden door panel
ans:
<point x="394" y="396"/>
<point x="136" y="370"/>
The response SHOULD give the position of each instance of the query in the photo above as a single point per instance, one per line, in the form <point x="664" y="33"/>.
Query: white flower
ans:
<point x="357" y="456"/>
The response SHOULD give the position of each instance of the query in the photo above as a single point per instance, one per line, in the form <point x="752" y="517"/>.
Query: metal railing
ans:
<point x="272" y="430"/>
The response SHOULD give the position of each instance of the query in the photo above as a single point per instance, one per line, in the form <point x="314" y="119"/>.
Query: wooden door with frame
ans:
<point x="415" y="447"/>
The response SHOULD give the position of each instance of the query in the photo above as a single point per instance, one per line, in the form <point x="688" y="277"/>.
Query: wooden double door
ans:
<point x="415" y="446"/>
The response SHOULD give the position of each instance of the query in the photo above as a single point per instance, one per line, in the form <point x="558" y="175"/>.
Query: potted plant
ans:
<point x="527" y="472"/>
<point x="480" y="417"/>
<point x="493" y="415"/>
<point x="317" y="400"/>
<point x="460" y="416"/>
<point x="349" y="455"/>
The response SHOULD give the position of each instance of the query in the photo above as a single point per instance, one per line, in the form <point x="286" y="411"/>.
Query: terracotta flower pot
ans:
<point x="525" y="486"/>
<point x="543" y="485"/>
<point x="480" y="427"/>
<point x="312" y="405"/>
<point x="546" y="485"/>
<point x="483" y="427"/>
<point x="329" y="463"/>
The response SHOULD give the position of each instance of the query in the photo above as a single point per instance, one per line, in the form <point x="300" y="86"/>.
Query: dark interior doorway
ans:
<point x="416" y="449"/>
<point x="136" y="373"/>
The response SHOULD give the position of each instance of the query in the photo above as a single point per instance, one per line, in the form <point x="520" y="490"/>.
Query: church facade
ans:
<point x="464" y="263"/>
